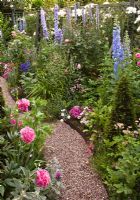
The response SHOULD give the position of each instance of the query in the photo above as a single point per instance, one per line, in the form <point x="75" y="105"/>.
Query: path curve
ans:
<point x="70" y="149"/>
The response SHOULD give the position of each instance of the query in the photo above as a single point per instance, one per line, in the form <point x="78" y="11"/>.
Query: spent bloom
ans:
<point x="43" y="24"/>
<point x="23" y="104"/>
<point x="75" y="112"/>
<point x="42" y="178"/>
<point x="27" y="135"/>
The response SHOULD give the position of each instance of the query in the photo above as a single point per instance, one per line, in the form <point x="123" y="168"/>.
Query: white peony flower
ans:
<point x="137" y="20"/>
<point x="130" y="10"/>
<point x="138" y="29"/>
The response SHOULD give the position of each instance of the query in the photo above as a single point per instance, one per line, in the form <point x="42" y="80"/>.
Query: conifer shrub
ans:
<point x="123" y="110"/>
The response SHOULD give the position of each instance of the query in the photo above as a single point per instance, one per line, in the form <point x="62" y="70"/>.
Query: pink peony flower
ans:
<point x="138" y="63"/>
<point x="23" y="104"/>
<point x="27" y="135"/>
<point x="13" y="121"/>
<point x="137" y="55"/>
<point x="75" y="111"/>
<point x="42" y="178"/>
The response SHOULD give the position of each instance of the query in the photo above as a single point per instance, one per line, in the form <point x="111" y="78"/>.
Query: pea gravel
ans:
<point x="79" y="180"/>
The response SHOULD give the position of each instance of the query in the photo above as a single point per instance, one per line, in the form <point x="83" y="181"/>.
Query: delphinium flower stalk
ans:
<point x="84" y="16"/>
<point x="117" y="49"/>
<point x="43" y="24"/>
<point x="90" y="14"/>
<point x="68" y="16"/>
<point x="57" y="31"/>
<point x="75" y="11"/>
<point x="97" y="16"/>
<point x="126" y="46"/>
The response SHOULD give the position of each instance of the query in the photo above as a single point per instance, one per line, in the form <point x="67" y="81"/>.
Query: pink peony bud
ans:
<point x="27" y="135"/>
<point x="20" y="123"/>
<point x="137" y="55"/>
<point x="58" y="175"/>
<point x="138" y="63"/>
<point x="42" y="178"/>
<point x="23" y="105"/>
<point x="13" y="121"/>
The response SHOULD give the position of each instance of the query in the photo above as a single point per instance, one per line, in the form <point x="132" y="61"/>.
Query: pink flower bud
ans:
<point x="13" y="121"/>
<point x="138" y="63"/>
<point x="137" y="55"/>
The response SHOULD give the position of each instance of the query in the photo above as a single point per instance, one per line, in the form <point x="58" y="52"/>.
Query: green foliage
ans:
<point x="6" y="28"/>
<point x="49" y="81"/>
<point x="31" y="20"/>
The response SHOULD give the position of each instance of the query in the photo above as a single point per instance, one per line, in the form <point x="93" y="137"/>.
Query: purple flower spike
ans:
<point x="75" y="11"/>
<point x="43" y="24"/>
<point x="84" y="16"/>
<point x="97" y="16"/>
<point x="117" y="49"/>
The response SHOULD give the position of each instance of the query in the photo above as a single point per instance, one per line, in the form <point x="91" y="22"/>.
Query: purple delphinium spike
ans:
<point x="68" y="16"/>
<point x="75" y="11"/>
<point x="97" y="16"/>
<point x="43" y="24"/>
<point x="117" y="50"/>
<point x="57" y="31"/>
<point x="84" y="16"/>
<point x="90" y="14"/>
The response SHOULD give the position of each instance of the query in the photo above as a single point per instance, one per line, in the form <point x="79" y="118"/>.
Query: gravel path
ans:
<point x="9" y="102"/>
<point x="70" y="149"/>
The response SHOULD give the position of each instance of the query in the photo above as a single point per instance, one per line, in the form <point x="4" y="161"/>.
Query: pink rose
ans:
<point x="13" y="121"/>
<point x="42" y="178"/>
<point x="23" y="104"/>
<point x="75" y="112"/>
<point x="138" y="63"/>
<point x="137" y="55"/>
<point x="27" y="135"/>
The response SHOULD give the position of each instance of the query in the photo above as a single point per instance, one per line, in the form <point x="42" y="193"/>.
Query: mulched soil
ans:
<point x="70" y="149"/>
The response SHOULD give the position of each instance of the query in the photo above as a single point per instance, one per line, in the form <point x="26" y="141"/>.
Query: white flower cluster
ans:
<point x="131" y="10"/>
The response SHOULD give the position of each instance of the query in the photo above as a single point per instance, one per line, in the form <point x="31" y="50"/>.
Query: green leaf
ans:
<point x="2" y="189"/>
